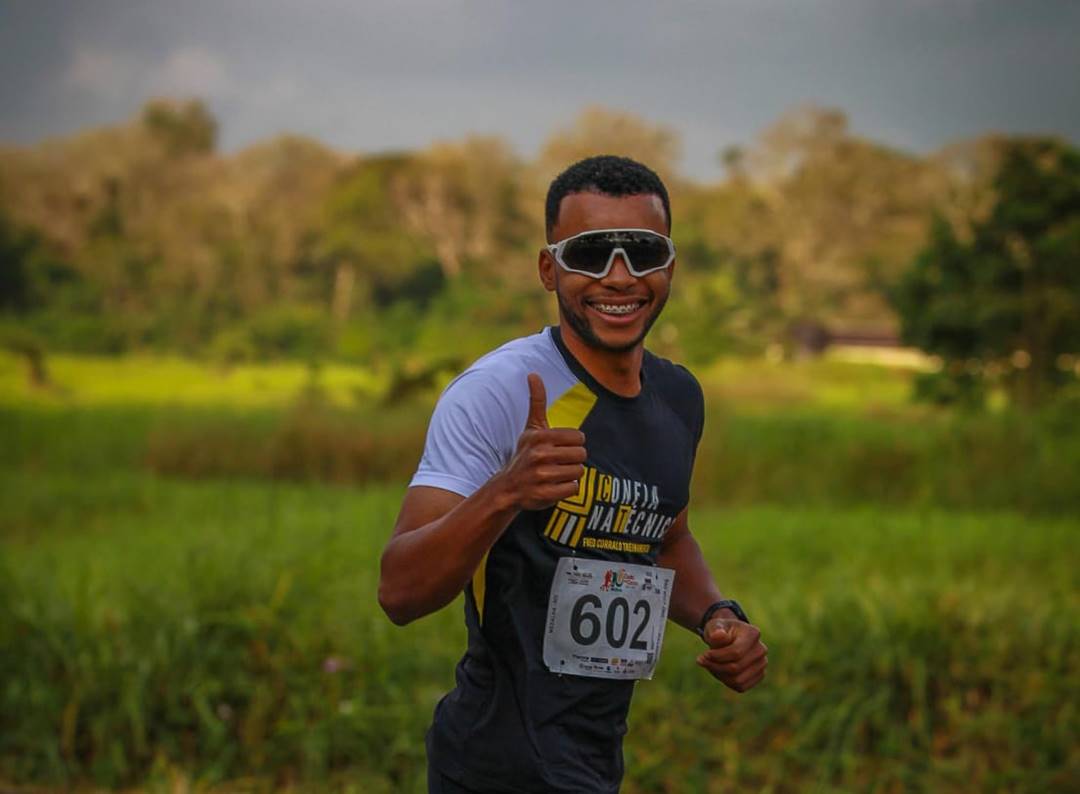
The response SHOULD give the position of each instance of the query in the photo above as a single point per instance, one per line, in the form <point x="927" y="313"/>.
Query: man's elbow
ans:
<point x="394" y="606"/>
<point x="394" y="598"/>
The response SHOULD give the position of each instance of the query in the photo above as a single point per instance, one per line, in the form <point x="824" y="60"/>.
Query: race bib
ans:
<point x="606" y="619"/>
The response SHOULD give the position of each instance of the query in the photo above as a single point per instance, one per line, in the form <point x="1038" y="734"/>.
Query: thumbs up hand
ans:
<point x="548" y="462"/>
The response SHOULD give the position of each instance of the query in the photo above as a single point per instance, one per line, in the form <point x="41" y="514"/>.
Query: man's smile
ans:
<point x="616" y="307"/>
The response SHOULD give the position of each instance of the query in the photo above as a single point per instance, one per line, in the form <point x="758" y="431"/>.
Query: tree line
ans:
<point x="144" y="235"/>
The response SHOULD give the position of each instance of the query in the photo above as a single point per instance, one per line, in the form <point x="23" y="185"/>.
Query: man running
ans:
<point x="553" y="490"/>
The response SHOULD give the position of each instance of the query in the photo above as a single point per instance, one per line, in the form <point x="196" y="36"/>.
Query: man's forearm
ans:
<point x="425" y="568"/>
<point x="695" y="590"/>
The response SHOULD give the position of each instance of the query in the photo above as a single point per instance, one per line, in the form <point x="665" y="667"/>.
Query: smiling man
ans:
<point x="553" y="490"/>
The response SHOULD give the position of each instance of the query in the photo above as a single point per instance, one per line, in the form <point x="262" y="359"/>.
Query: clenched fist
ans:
<point x="548" y="462"/>
<point x="736" y="657"/>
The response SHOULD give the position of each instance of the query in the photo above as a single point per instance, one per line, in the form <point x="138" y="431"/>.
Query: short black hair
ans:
<point x="607" y="174"/>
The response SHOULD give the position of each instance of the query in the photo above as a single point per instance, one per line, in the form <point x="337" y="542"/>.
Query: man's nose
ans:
<point x="620" y="274"/>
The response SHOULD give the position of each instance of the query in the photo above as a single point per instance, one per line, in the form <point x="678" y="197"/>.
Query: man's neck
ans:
<point x="616" y="371"/>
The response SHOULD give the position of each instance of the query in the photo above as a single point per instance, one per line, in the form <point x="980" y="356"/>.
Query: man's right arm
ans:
<point x="440" y="536"/>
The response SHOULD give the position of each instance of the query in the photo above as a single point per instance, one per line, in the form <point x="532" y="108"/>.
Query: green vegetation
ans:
<point x="227" y="629"/>
<point x="1004" y="307"/>
<point x="220" y="629"/>
<point x="174" y="382"/>
<point x="808" y="433"/>
<point x="216" y="373"/>
<point x="142" y="237"/>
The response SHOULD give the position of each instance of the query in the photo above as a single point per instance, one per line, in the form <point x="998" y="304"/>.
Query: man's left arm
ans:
<point x="736" y="656"/>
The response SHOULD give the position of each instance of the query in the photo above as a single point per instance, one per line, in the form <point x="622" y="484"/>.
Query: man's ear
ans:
<point x="545" y="266"/>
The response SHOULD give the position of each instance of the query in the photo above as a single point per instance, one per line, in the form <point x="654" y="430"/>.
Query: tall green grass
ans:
<point x="223" y="629"/>
<point x="996" y="461"/>
<point x="185" y="601"/>
<point x="229" y="629"/>
<point x="804" y="433"/>
<point x="1001" y="461"/>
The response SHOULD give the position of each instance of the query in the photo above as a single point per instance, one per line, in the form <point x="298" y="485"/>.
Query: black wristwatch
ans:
<point x="726" y="603"/>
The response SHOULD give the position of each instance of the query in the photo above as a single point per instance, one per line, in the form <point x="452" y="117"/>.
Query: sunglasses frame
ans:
<point x="556" y="250"/>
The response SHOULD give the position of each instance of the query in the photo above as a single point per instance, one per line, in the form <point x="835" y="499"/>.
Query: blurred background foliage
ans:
<point x="217" y="370"/>
<point x="142" y="237"/>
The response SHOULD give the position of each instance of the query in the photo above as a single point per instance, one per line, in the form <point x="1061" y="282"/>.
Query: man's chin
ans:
<point x="620" y="345"/>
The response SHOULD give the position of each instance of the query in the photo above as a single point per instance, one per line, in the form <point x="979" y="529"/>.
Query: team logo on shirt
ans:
<point x="605" y="507"/>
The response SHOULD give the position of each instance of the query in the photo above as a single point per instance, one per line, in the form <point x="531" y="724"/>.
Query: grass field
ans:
<point x="140" y="381"/>
<point x="219" y="631"/>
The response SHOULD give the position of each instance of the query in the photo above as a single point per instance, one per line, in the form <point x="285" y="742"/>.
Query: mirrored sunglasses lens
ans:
<point x="589" y="253"/>
<point x="646" y="251"/>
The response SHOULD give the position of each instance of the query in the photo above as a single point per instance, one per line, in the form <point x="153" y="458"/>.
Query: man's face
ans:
<point x="596" y="310"/>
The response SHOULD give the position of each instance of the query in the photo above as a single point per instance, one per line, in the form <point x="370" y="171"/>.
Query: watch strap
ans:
<point x="726" y="603"/>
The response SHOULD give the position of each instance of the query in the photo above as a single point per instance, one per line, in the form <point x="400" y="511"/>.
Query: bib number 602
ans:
<point x="588" y="619"/>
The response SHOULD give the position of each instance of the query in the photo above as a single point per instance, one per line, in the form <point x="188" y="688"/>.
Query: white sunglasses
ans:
<point x="592" y="253"/>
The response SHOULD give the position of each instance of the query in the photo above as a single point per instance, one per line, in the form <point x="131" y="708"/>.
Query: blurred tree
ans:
<point x="112" y="253"/>
<point x="361" y="241"/>
<point x="274" y="192"/>
<point x="181" y="244"/>
<point x="181" y="127"/>
<point x="600" y="130"/>
<point x="21" y="254"/>
<point x="34" y="281"/>
<point x="462" y="198"/>
<point x="820" y="205"/>
<point x="961" y="178"/>
<point x="28" y="271"/>
<point x="1006" y="303"/>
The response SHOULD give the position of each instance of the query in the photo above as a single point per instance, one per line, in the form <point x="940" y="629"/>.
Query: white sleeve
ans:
<point x="471" y="435"/>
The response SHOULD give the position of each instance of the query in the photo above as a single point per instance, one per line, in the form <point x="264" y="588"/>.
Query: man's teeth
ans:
<point x="616" y="308"/>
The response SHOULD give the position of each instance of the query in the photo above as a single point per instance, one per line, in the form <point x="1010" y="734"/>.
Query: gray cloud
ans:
<point x="390" y="74"/>
<point x="111" y="75"/>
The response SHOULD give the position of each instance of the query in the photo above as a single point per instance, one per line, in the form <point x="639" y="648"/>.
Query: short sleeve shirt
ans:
<point x="510" y="724"/>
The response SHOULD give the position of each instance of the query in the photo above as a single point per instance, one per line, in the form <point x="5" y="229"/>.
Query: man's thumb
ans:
<point x="537" y="403"/>
<point x="720" y="635"/>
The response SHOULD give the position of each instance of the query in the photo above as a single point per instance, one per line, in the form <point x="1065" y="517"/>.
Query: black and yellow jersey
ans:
<point x="510" y="724"/>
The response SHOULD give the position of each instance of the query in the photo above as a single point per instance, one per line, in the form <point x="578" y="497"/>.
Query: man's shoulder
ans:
<point x="503" y="371"/>
<point x="672" y="378"/>
<point x="496" y="384"/>
<point x="678" y="389"/>
<point x="518" y="356"/>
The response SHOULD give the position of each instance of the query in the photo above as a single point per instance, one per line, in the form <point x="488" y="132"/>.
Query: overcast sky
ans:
<point x="366" y="75"/>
